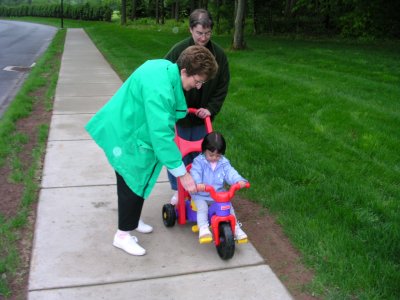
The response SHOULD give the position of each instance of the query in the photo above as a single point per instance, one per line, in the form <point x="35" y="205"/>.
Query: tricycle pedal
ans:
<point x="205" y="240"/>
<point x="195" y="228"/>
<point x="242" y="241"/>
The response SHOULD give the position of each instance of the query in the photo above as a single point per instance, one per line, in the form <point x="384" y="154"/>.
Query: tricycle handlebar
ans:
<point x="207" y="120"/>
<point x="192" y="110"/>
<point x="226" y="195"/>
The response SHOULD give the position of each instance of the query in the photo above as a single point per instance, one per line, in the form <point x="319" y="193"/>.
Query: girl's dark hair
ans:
<point x="214" y="141"/>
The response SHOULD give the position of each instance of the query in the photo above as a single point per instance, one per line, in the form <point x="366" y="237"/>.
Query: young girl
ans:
<point x="212" y="168"/>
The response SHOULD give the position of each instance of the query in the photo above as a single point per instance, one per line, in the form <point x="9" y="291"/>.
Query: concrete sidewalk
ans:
<point x="73" y="256"/>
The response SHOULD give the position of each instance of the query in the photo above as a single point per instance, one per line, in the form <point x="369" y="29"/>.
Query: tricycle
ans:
<point x="221" y="220"/>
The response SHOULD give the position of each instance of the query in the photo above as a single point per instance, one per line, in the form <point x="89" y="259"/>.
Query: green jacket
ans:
<point x="213" y="93"/>
<point x="135" y="128"/>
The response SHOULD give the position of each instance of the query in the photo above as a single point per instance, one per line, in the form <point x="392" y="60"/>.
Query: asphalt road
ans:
<point x="21" y="44"/>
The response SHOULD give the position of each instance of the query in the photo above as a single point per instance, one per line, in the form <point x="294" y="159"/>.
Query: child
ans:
<point x="212" y="168"/>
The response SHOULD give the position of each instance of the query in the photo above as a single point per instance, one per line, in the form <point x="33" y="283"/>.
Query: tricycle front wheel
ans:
<point x="226" y="247"/>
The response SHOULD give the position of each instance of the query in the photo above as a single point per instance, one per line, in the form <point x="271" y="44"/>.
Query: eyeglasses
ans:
<point x="199" y="82"/>
<point x="206" y="34"/>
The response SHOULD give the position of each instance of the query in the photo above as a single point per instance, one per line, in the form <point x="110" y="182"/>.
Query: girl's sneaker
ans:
<point x="205" y="235"/>
<point x="239" y="233"/>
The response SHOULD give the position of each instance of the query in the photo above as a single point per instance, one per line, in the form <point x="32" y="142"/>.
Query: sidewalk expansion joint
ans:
<point x="144" y="279"/>
<point x="69" y="140"/>
<point x="73" y="114"/>
<point x="76" y="186"/>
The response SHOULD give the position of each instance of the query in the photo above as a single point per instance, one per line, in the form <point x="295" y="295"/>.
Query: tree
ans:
<point x="133" y="11"/>
<point x="123" y="12"/>
<point x="238" y="36"/>
<point x="157" y="12"/>
<point x="262" y="15"/>
<point x="203" y="4"/>
<point x="177" y="10"/>
<point x="192" y="5"/>
<point x="290" y="4"/>
<point x="217" y="15"/>
<point x="162" y="11"/>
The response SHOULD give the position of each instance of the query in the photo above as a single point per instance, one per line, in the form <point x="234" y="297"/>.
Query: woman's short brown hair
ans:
<point x="198" y="60"/>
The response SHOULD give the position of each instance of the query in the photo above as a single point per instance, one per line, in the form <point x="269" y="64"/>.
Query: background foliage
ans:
<point x="86" y="11"/>
<point x="366" y="19"/>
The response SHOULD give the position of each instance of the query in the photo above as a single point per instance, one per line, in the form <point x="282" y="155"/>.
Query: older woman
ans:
<point x="135" y="129"/>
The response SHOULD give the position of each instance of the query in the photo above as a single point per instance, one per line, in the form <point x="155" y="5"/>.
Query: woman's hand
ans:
<point x="201" y="187"/>
<point x="188" y="183"/>
<point x="202" y="113"/>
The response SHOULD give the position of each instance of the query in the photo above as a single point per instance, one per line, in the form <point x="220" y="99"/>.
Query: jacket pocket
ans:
<point x="144" y="156"/>
<point x="141" y="165"/>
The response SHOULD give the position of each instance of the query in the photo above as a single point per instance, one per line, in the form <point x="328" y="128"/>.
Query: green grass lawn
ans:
<point x="314" y="125"/>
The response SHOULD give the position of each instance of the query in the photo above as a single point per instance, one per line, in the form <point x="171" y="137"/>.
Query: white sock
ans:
<point x="122" y="234"/>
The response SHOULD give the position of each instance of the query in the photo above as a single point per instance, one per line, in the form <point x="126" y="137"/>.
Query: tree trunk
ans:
<point x="192" y="5"/>
<point x="262" y="16"/>
<point x="218" y="15"/>
<point x="157" y="12"/>
<point x="238" y="36"/>
<point x="256" y="17"/>
<point x="123" y="12"/>
<point x="133" y="12"/>
<point x="162" y="12"/>
<point x="177" y="10"/>
<point x="204" y="4"/>
<point x="289" y="7"/>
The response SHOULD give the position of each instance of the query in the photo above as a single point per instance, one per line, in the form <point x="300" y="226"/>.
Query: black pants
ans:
<point x="129" y="206"/>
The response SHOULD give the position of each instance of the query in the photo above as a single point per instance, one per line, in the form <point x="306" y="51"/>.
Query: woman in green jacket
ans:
<point x="209" y="99"/>
<point x="135" y="129"/>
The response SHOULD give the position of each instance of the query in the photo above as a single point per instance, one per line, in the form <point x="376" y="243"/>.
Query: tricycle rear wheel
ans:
<point x="169" y="215"/>
<point x="226" y="247"/>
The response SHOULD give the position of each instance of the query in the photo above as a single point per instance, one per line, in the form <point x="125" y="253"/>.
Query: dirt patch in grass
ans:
<point x="270" y="241"/>
<point x="11" y="195"/>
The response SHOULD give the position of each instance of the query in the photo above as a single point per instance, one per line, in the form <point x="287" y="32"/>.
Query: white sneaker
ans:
<point x="239" y="233"/>
<point x="174" y="198"/>
<point x="205" y="235"/>
<point x="143" y="227"/>
<point x="129" y="244"/>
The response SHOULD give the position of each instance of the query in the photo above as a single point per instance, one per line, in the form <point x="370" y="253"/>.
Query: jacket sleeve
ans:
<point x="196" y="171"/>
<point x="160" y="116"/>
<point x="231" y="175"/>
